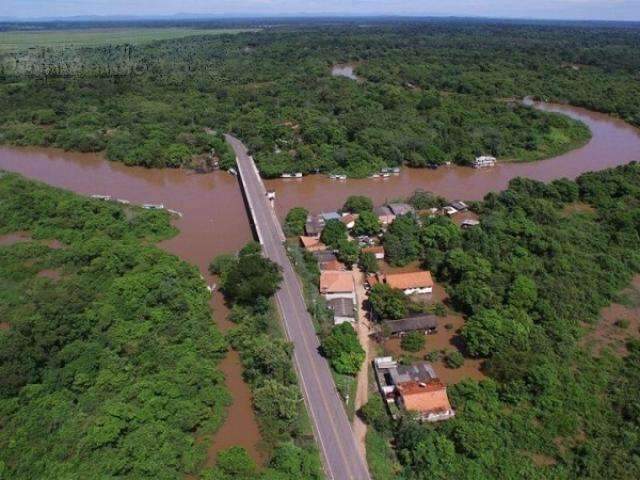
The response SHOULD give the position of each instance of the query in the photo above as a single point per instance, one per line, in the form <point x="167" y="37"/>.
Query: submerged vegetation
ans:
<point x="430" y="92"/>
<point x="108" y="368"/>
<point x="268" y="369"/>
<point x="531" y="278"/>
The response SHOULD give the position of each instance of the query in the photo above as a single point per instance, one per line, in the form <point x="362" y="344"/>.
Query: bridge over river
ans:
<point x="332" y="429"/>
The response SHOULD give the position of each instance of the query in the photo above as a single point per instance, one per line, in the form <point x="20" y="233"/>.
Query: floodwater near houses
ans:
<point x="215" y="221"/>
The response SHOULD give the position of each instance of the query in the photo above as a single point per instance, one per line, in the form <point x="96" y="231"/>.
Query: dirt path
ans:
<point x="362" y="392"/>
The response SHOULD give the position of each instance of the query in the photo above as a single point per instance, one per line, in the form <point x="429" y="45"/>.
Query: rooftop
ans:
<point x="429" y="397"/>
<point x="311" y="242"/>
<point x="325" y="256"/>
<point x="400" y="208"/>
<point x="417" y="372"/>
<point x="410" y="324"/>
<point x="336" y="282"/>
<point x="405" y="281"/>
<point x="342" y="307"/>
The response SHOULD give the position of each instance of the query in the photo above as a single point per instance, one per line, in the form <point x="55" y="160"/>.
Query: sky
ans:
<point x="543" y="9"/>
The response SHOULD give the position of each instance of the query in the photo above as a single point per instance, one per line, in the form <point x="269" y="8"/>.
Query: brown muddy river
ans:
<point x="215" y="220"/>
<point x="614" y="142"/>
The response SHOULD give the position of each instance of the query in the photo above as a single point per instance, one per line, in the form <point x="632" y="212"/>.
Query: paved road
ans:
<point x="332" y="429"/>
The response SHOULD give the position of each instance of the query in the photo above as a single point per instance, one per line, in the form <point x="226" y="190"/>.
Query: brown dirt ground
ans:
<point x="607" y="333"/>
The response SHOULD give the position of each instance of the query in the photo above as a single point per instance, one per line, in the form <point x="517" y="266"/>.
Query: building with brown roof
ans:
<point x="312" y="244"/>
<point x="385" y="215"/>
<point x="337" y="284"/>
<point x="428" y="399"/>
<point x="349" y="220"/>
<point x="410" y="283"/>
<point x="414" y="388"/>
<point x="377" y="250"/>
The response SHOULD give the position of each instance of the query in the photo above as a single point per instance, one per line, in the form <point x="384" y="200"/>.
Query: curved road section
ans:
<point x="332" y="429"/>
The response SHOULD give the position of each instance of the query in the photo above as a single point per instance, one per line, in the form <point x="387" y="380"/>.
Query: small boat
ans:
<point x="384" y="170"/>
<point x="153" y="206"/>
<point x="286" y="175"/>
<point x="333" y="176"/>
<point x="233" y="171"/>
<point x="375" y="175"/>
<point x="175" y="212"/>
<point x="123" y="201"/>
<point x="298" y="174"/>
<point x="396" y="170"/>
<point x="101" y="197"/>
<point x="341" y="177"/>
<point x="386" y="175"/>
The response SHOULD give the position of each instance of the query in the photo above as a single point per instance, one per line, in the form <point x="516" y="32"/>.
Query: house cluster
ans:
<point x="413" y="388"/>
<point x="337" y="285"/>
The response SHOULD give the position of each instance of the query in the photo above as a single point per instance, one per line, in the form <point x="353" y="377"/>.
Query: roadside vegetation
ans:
<point x="430" y="93"/>
<point x="531" y="281"/>
<point x="108" y="353"/>
<point x="249" y="281"/>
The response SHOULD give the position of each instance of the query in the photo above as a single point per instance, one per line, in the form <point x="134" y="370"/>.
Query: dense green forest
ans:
<point x="532" y="279"/>
<point x="429" y="92"/>
<point x="249" y="281"/>
<point x="108" y="352"/>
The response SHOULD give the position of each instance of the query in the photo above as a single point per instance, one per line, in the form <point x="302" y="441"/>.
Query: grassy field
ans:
<point x="13" y="41"/>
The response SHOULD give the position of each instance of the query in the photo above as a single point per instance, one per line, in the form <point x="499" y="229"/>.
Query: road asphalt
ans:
<point x="341" y="458"/>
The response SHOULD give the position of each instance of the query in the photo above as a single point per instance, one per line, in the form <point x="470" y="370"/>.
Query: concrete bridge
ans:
<point x="332" y="429"/>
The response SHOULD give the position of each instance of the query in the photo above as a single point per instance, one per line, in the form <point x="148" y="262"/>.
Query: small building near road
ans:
<point x="484" y="161"/>
<point x="337" y="285"/>
<point x="385" y="215"/>
<point x="344" y="310"/>
<point x="414" y="388"/>
<point x="312" y="244"/>
<point x="349" y="220"/>
<point x="314" y="226"/>
<point x="410" y="283"/>
<point x="401" y="209"/>
<point x="332" y="266"/>
<point x="377" y="250"/>
<point x="426" y="324"/>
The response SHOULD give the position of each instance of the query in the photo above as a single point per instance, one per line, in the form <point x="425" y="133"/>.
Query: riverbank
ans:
<point x="613" y="142"/>
<point x="215" y="221"/>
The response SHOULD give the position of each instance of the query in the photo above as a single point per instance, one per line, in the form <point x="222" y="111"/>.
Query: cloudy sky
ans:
<point x="548" y="9"/>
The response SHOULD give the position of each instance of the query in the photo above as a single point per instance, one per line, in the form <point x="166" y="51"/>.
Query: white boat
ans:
<point x="298" y="174"/>
<point x="101" y="197"/>
<point x="286" y="175"/>
<point x="341" y="177"/>
<point x="233" y="171"/>
<point x="396" y="170"/>
<point x="333" y="176"/>
<point x="386" y="175"/>
<point x="175" y="212"/>
<point x="123" y="201"/>
<point x="375" y="175"/>
<point x="153" y="206"/>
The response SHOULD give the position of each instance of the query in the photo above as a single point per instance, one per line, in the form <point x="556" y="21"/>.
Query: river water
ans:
<point x="215" y="220"/>
<point x="614" y="142"/>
